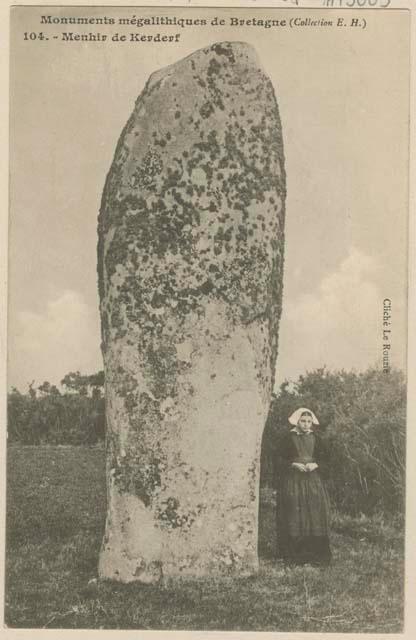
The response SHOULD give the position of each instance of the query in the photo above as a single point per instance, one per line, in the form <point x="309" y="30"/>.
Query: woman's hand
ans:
<point x="311" y="466"/>
<point x="299" y="466"/>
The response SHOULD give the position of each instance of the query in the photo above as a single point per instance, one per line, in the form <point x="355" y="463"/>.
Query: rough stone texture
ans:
<point x="190" y="259"/>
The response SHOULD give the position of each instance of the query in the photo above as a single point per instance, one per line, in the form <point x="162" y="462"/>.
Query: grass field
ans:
<point x="55" y="520"/>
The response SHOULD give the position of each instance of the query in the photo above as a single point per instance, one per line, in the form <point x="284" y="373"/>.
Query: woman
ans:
<point x="304" y="506"/>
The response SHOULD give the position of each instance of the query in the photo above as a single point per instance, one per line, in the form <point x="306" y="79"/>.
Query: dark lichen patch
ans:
<point x="252" y="475"/>
<point x="130" y="402"/>
<point x="227" y="561"/>
<point x="148" y="572"/>
<point x="146" y="412"/>
<point x="200" y="81"/>
<point x="161" y="367"/>
<point x="112" y="446"/>
<point x="138" y="474"/>
<point x="123" y="382"/>
<point x="206" y="110"/>
<point x="214" y="67"/>
<point x="172" y="516"/>
<point x="224" y="49"/>
<point x="213" y="82"/>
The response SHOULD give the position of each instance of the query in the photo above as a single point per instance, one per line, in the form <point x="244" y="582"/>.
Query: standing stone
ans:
<point x="190" y="259"/>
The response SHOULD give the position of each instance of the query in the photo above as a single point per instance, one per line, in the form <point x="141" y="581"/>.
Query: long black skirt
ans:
<point x="303" y="519"/>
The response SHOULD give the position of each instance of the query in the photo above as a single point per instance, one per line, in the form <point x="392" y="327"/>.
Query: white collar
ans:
<point x="301" y="433"/>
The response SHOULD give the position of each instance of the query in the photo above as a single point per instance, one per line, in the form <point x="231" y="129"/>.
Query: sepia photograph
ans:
<point x="207" y="318"/>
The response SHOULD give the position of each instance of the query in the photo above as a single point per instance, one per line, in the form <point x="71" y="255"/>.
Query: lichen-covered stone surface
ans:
<point x="190" y="259"/>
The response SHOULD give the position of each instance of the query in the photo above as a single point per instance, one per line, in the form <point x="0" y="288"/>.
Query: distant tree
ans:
<point x="96" y="380"/>
<point x="75" y="382"/>
<point x="46" y="388"/>
<point x="83" y="385"/>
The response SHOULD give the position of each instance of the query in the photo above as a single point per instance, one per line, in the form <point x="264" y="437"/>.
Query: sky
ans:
<point x="343" y="100"/>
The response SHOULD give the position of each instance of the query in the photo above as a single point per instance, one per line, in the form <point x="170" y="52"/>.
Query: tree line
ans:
<point x="362" y="418"/>
<point x="74" y="415"/>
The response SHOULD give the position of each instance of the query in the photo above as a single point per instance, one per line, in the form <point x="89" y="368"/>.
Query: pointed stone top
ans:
<point x="228" y="53"/>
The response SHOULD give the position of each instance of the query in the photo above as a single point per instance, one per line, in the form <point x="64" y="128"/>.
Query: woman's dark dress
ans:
<point x="303" y="510"/>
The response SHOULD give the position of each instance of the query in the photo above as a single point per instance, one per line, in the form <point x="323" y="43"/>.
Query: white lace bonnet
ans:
<point x="295" y="417"/>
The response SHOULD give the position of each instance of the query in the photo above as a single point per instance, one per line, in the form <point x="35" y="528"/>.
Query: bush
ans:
<point x="363" y="419"/>
<point x="47" y="416"/>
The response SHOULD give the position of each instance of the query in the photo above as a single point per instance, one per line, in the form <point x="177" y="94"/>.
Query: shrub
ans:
<point x="363" y="419"/>
<point x="47" y="416"/>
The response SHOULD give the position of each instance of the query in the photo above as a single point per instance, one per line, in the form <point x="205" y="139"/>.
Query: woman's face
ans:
<point x="305" y="423"/>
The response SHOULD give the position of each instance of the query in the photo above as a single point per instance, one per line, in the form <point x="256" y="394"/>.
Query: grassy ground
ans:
<point x="56" y="507"/>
